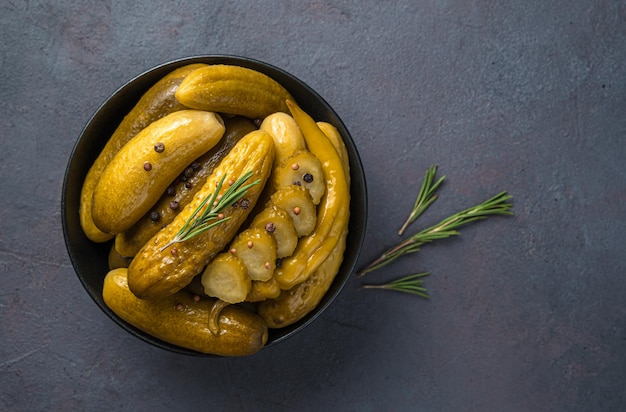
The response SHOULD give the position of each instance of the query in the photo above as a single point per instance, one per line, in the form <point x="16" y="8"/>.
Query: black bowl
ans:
<point x="90" y="260"/>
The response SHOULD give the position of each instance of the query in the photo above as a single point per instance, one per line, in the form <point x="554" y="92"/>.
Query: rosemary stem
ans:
<point x="406" y="224"/>
<point x="389" y="256"/>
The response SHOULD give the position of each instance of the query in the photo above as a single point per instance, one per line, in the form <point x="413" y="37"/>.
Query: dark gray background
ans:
<point x="527" y="313"/>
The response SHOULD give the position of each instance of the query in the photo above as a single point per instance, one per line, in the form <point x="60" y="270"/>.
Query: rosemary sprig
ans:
<point x="496" y="205"/>
<point x="204" y="218"/>
<point x="408" y="284"/>
<point x="425" y="197"/>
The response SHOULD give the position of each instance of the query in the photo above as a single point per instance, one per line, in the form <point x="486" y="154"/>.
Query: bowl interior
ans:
<point x="90" y="260"/>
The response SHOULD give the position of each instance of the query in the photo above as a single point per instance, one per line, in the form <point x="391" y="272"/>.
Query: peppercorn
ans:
<point x="244" y="203"/>
<point x="159" y="147"/>
<point x="270" y="227"/>
<point x="154" y="216"/>
<point x="307" y="177"/>
<point x="174" y="205"/>
<point x="170" y="191"/>
<point x="147" y="166"/>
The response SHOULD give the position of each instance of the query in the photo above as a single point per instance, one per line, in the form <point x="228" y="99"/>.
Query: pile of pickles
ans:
<point x="226" y="206"/>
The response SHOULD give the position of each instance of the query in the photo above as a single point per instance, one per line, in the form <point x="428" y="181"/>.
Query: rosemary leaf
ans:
<point x="425" y="197"/>
<point x="409" y="284"/>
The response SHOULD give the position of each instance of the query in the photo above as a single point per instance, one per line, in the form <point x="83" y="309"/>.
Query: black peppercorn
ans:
<point x="244" y="203"/>
<point x="159" y="147"/>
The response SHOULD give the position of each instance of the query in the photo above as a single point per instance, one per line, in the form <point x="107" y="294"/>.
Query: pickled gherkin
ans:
<point x="301" y="169"/>
<point x="257" y="250"/>
<point x="297" y="201"/>
<point x="226" y="278"/>
<point x="276" y="221"/>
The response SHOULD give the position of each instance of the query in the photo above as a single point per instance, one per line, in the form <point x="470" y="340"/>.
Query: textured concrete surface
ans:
<point x="527" y="313"/>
